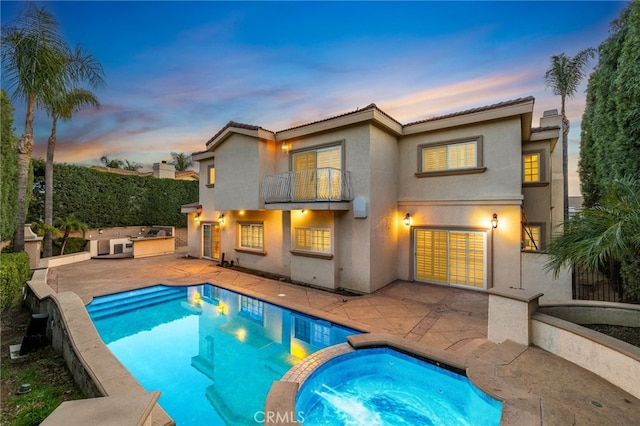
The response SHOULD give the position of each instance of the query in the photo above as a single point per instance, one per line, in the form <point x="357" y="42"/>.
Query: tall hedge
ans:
<point x="103" y="200"/>
<point x="8" y="171"/>
<point x="610" y="139"/>
<point x="14" y="273"/>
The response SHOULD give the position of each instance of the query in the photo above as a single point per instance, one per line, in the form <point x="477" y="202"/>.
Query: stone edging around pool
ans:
<point x="280" y="403"/>
<point x="101" y="377"/>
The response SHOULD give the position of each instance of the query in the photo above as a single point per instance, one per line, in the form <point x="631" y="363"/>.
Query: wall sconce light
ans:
<point x="407" y="219"/>
<point x="221" y="219"/>
<point x="494" y="221"/>
<point x="196" y="219"/>
<point x="285" y="147"/>
<point x="100" y="231"/>
<point x="303" y="211"/>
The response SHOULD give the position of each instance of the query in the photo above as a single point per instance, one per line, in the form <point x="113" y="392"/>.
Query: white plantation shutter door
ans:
<point x="450" y="257"/>
<point x="328" y="160"/>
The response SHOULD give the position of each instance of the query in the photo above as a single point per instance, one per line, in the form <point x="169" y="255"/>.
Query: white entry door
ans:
<point x="211" y="241"/>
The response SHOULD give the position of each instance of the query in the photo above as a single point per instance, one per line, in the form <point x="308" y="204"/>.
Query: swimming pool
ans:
<point x="381" y="386"/>
<point x="212" y="352"/>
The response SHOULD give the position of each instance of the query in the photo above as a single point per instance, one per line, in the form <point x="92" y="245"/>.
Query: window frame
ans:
<point x="211" y="168"/>
<point x="310" y="252"/>
<point x="486" y="260"/>
<point x="542" y="169"/>
<point x="541" y="237"/>
<point x="478" y="168"/>
<point x="254" y="250"/>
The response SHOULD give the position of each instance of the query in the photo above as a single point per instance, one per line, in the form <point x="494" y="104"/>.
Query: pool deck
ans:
<point x="451" y="321"/>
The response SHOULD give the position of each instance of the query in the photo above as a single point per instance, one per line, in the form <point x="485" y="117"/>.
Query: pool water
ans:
<point x="212" y="353"/>
<point x="382" y="386"/>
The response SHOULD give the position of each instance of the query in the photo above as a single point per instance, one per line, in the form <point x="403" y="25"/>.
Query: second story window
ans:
<point x="531" y="167"/>
<point x="318" y="173"/>
<point x="460" y="156"/>
<point x="211" y="175"/>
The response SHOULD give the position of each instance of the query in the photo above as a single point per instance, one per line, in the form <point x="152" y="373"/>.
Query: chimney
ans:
<point x="164" y="170"/>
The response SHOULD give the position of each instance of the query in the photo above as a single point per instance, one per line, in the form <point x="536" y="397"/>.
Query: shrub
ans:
<point x="630" y="273"/>
<point x="14" y="273"/>
<point x="74" y="245"/>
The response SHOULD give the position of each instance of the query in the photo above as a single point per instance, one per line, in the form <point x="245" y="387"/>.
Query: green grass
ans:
<point x="45" y="370"/>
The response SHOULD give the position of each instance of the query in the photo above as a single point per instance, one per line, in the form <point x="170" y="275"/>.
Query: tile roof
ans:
<point x="234" y="124"/>
<point x="121" y="171"/>
<point x="371" y="106"/>
<point x="474" y="110"/>
<point x="187" y="174"/>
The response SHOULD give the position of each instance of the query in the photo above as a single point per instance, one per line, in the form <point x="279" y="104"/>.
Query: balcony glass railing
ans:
<point x="323" y="184"/>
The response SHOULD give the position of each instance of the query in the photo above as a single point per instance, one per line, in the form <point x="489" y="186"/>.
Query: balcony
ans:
<point x="326" y="185"/>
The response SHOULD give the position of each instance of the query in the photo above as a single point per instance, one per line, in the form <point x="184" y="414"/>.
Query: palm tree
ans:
<point x="564" y="77"/>
<point x="181" y="161"/>
<point x="37" y="65"/>
<point x="131" y="166"/>
<point x="111" y="163"/>
<point x="606" y="231"/>
<point x="67" y="225"/>
<point x="64" y="107"/>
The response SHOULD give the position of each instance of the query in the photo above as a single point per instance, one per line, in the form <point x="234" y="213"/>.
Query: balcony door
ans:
<point x="211" y="241"/>
<point x="317" y="174"/>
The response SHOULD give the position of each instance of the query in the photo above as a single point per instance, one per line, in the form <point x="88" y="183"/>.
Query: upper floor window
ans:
<point x="252" y="236"/>
<point x="531" y="167"/>
<point x="211" y="175"/>
<point x="317" y="173"/>
<point x="453" y="157"/>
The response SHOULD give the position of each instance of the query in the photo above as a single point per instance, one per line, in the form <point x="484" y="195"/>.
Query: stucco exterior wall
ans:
<point x="383" y="223"/>
<point x="276" y="241"/>
<point x="557" y="175"/>
<point x="535" y="278"/>
<point x="238" y="173"/>
<point x="467" y="201"/>
<point x="501" y="156"/>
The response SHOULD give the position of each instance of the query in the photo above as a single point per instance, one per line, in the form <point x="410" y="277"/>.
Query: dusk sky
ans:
<point x="176" y="72"/>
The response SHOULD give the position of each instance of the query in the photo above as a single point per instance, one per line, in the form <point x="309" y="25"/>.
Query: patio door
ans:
<point x="211" y="241"/>
<point x="451" y="257"/>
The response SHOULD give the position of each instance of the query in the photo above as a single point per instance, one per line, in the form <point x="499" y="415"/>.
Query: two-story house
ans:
<point x="359" y="200"/>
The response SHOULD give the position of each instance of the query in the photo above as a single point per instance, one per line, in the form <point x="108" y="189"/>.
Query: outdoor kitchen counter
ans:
<point x="153" y="246"/>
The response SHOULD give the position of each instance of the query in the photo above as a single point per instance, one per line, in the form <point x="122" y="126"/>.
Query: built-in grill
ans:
<point x="158" y="231"/>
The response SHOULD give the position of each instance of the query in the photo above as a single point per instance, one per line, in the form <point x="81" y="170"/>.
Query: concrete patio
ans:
<point x="553" y="391"/>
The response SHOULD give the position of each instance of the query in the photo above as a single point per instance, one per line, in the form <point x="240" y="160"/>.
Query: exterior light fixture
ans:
<point x="196" y="219"/>
<point x="285" y="147"/>
<point x="303" y="211"/>
<point x="221" y="219"/>
<point x="494" y="221"/>
<point x="407" y="219"/>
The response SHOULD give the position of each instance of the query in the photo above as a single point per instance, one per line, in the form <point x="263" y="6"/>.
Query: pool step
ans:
<point x="106" y="306"/>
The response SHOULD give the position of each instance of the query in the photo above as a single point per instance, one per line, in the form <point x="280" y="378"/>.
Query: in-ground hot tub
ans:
<point x="382" y="386"/>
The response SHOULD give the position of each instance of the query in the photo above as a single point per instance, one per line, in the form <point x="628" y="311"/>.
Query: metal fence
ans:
<point x="603" y="284"/>
<point x="322" y="184"/>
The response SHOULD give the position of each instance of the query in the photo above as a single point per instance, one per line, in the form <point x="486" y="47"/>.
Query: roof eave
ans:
<point x="524" y="109"/>
<point x="370" y="114"/>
